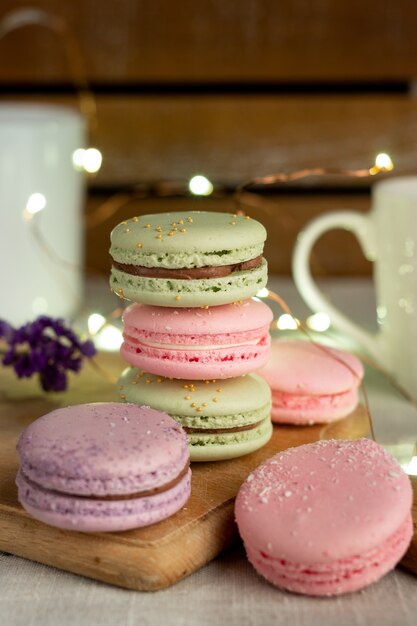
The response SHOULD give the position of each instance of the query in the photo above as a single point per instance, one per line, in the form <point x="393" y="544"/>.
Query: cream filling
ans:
<point x="194" y="347"/>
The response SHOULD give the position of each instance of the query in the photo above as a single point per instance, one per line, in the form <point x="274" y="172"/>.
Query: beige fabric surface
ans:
<point x="226" y="592"/>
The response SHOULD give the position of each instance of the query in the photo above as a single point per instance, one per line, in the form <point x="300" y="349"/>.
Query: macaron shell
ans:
<point x="197" y="239"/>
<point x="187" y="398"/>
<point x="199" y="364"/>
<point x="87" y="515"/>
<point x="291" y="409"/>
<point x="103" y="449"/>
<point x="190" y="293"/>
<point x="340" y="577"/>
<point x="191" y="322"/>
<point x="305" y="368"/>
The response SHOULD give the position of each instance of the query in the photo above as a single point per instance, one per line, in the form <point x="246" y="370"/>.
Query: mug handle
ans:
<point x="362" y="227"/>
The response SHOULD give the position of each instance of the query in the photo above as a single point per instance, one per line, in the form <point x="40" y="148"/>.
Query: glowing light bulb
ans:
<point x="263" y="293"/>
<point x="36" y="202"/>
<point x="319" y="321"/>
<point x="95" y="322"/>
<point x="200" y="186"/>
<point x="384" y="162"/>
<point x="109" y="338"/>
<point x="287" y="322"/>
<point x="92" y="160"/>
<point x="89" y="160"/>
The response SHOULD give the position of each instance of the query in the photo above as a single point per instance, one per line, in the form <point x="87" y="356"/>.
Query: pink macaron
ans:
<point x="197" y="343"/>
<point x="103" y="467"/>
<point x="311" y="383"/>
<point x="326" y="518"/>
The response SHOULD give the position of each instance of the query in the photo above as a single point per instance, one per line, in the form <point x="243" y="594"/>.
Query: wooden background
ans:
<point x="233" y="89"/>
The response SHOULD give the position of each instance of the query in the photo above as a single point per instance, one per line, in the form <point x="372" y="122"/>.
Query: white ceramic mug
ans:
<point x="388" y="236"/>
<point x="41" y="202"/>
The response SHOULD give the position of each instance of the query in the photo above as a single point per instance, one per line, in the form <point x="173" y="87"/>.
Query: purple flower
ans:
<point x="47" y="347"/>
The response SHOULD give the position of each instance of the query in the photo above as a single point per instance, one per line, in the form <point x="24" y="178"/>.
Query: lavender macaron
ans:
<point x="103" y="467"/>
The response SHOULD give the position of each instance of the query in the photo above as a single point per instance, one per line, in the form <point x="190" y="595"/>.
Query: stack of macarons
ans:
<point x="193" y="335"/>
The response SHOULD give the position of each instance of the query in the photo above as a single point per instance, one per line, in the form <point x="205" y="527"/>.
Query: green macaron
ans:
<point x="190" y="259"/>
<point x="224" y="419"/>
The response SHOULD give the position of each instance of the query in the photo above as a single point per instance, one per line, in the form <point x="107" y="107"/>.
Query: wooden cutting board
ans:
<point x="149" y="558"/>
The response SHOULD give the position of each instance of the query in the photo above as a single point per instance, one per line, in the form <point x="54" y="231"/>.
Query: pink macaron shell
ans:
<point x="343" y="576"/>
<point x="227" y="318"/>
<point x="88" y="515"/>
<point x="218" y="342"/>
<point x="327" y="517"/>
<point x="103" y="448"/>
<point x="198" y="364"/>
<point x="305" y="368"/>
<point x="292" y="409"/>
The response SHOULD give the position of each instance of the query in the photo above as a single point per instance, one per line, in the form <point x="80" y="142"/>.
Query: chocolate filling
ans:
<point x="216" y="431"/>
<point x="130" y="496"/>
<point x="192" y="273"/>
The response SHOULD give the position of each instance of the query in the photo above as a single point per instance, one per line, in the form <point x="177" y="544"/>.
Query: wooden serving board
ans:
<point x="149" y="558"/>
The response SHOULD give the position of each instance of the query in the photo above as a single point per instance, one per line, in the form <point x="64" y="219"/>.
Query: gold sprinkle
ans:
<point x="214" y="380"/>
<point x="183" y="230"/>
<point x="120" y="292"/>
<point x="125" y="222"/>
<point x="193" y="404"/>
<point x="147" y="226"/>
<point x="173" y="223"/>
<point x="177" y="298"/>
<point x="159" y="236"/>
<point x="189" y="219"/>
<point x="206" y="382"/>
<point x="199" y="408"/>
<point x="180" y="221"/>
<point x="247" y="217"/>
<point x="139" y="245"/>
<point x="170" y="233"/>
<point x="127" y="230"/>
<point x="233" y="223"/>
<point x="120" y="387"/>
<point x="133" y="382"/>
<point x="123" y="397"/>
<point x="158" y="229"/>
<point x="135" y="219"/>
<point x="187" y="397"/>
<point x="234" y="214"/>
<point x="159" y="380"/>
<point x="185" y="386"/>
<point x="215" y="400"/>
<point x="204" y="404"/>
<point x="111" y="289"/>
<point x="205" y="307"/>
<point x="175" y="229"/>
<point x="219" y="389"/>
<point x="148" y="380"/>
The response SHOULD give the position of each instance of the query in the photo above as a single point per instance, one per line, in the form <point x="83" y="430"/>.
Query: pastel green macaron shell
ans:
<point x="190" y="293"/>
<point x="186" y="240"/>
<point x="231" y="403"/>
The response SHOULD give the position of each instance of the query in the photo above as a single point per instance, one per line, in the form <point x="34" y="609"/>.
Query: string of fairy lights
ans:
<point x="89" y="160"/>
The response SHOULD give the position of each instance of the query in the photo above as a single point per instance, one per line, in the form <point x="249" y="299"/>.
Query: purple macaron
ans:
<point x="103" y="467"/>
